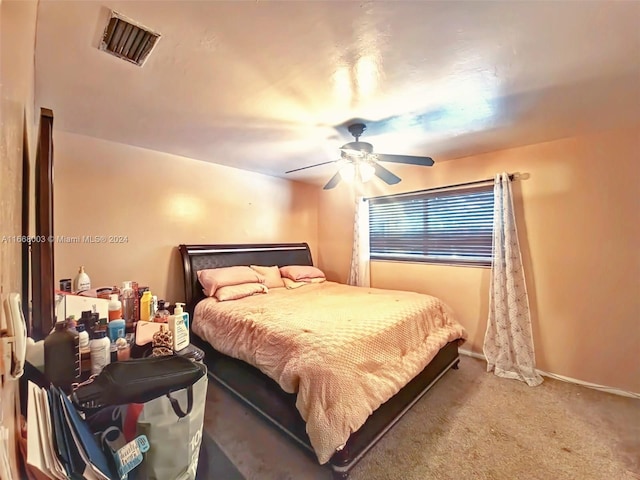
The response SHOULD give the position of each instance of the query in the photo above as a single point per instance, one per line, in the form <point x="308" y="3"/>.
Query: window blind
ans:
<point x="454" y="226"/>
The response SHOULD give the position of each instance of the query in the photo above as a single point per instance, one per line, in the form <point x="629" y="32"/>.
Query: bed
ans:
<point x="264" y="395"/>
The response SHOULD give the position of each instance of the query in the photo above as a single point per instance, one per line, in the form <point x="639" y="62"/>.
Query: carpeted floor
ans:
<point x="471" y="425"/>
<point x="213" y="464"/>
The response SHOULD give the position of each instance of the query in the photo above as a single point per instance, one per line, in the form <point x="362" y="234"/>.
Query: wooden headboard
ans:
<point x="201" y="257"/>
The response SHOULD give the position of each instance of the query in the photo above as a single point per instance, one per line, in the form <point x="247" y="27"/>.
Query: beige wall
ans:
<point x="17" y="42"/>
<point x="579" y="230"/>
<point x="158" y="201"/>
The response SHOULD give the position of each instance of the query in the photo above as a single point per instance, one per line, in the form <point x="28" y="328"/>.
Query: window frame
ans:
<point x="476" y="250"/>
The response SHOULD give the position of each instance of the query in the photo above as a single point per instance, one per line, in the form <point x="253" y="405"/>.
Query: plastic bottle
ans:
<point x="115" y="307"/>
<point x="128" y="303"/>
<point x="83" y="347"/>
<point x="100" y="347"/>
<point x="116" y="329"/>
<point x="83" y="337"/>
<point x="154" y="306"/>
<point x="145" y="306"/>
<point x="71" y="322"/>
<point x="61" y="357"/>
<point x="87" y="321"/>
<point x="179" y="327"/>
<point x="82" y="281"/>
<point x="162" y="314"/>
<point x="162" y="342"/>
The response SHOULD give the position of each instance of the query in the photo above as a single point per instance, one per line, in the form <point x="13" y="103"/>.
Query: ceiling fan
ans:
<point x="360" y="163"/>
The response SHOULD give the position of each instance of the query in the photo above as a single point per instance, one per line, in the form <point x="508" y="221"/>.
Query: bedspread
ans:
<point x="344" y="350"/>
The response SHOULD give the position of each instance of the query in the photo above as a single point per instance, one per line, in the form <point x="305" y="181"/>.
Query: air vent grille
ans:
<point x="128" y="40"/>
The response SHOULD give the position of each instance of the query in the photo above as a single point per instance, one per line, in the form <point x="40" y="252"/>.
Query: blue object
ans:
<point x="82" y="439"/>
<point x="116" y="329"/>
<point x="130" y="456"/>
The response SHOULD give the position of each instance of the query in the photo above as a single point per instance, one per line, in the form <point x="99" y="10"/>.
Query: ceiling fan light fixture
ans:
<point x="367" y="171"/>
<point x="347" y="170"/>
<point x="349" y="153"/>
<point x="360" y="147"/>
<point x="357" y="171"/>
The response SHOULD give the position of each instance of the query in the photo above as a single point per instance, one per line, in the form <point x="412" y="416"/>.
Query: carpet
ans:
<point x="213" y="464"/>
<point x="470" y="425"/>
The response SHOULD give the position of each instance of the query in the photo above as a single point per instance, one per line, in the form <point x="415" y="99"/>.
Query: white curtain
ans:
<point x="508" y="342"/>
<point x="359" y="271"/>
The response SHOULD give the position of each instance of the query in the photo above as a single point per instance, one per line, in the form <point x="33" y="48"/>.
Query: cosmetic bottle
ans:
<point x="115" y="307"/>
<point x="154" y="306"/>
<point x="83" y="347"/>
<point x="162" y="314"/>
<point x="145" y="307"/>
<point x="61" y="357"/>
<point x="89" y="321"/>
<point x="82" y="281"/>
<point x="83" y="337"/>
<point x="71" y="323"/>
<point x="116" y="329"/>
<point x="179" y="327"/>
<point x="162" y="342"/>
<point x="100" y="347"/>
<point x="127" y="298"/>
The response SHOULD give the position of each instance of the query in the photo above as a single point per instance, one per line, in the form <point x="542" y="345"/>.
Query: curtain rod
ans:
<point x="512" y="176"/>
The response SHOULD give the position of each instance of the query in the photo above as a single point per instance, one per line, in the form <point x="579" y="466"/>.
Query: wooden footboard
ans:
<point x="390" y="412"/>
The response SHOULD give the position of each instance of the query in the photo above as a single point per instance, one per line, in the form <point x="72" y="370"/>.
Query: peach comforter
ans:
<point x="345" y="350"/>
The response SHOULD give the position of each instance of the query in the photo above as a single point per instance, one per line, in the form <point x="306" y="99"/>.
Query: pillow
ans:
<point x="213" y="278"/>
<point x="301" y="272"/>
<point x="234" y="292"/>
<point x="291" y="284"/>
<point x="314" y="280"/>
<point x="272" y="278"/>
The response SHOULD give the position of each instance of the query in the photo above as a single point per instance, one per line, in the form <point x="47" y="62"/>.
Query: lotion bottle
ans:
<point x="100" y="347"/>
<point x="179" y="327"/>
<point x="82" y="281"/>
<point x="83" y="337"/>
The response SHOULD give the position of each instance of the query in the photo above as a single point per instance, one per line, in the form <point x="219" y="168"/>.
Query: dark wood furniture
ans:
<point x="26" y="221"/>
<point x="263" y="394"/>
<point x="42" y="283"/>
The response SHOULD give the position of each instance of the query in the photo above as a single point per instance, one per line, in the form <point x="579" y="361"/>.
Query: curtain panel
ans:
<point x="508" y="342"/>
<point x="359" y="272"/>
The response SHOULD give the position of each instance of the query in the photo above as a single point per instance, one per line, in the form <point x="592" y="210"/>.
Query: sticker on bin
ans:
<point x="130" y="456"/>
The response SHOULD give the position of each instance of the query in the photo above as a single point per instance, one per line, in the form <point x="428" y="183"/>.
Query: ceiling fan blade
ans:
<point x="333" y="182"/>
<point x="310" y="166"/>
<point x="409" y="159"/>
<point x="385" y="175"/>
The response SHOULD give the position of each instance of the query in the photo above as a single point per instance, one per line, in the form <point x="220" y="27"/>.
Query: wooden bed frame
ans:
<point x="264" y="395"/>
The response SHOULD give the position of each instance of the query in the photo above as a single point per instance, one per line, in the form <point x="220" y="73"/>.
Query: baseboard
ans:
<point x="562" y="378"/>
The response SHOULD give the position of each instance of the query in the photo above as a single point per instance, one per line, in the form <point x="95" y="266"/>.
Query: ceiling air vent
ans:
<point x="128" y="40"/>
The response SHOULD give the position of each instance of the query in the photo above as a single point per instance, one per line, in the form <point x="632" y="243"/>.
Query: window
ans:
<point x="454" y="227"/>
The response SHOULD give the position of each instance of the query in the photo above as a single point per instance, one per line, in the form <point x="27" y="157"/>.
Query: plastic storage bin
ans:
<point x="192" y="353"/>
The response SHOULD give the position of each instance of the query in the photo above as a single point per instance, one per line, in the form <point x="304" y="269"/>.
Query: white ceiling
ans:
<point x="262" y="85"/>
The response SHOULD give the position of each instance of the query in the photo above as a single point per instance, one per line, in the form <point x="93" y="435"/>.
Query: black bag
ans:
<point x="137" y="381"/>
